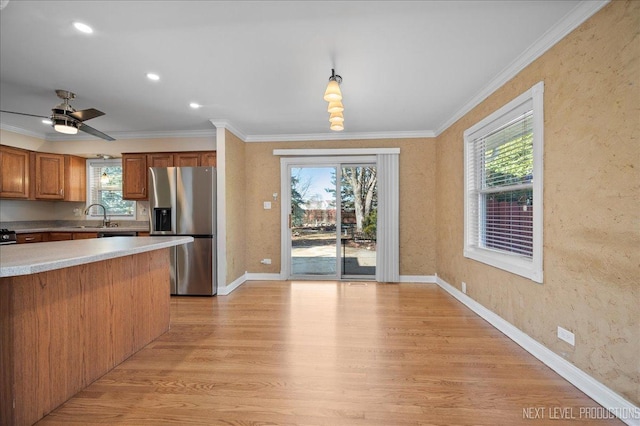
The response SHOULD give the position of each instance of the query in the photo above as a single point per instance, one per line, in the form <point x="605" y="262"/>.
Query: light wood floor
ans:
<point x="327" y="353"/>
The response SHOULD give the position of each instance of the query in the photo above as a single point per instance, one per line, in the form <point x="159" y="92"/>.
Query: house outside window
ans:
<point x="503" y="187"/>
<point x="104" y="187"/>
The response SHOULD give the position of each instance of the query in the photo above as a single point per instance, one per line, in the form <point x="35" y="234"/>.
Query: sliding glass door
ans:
<point x="332" y="221"/>
<point x="313" y="222"/>
<point x="358" y="218"/>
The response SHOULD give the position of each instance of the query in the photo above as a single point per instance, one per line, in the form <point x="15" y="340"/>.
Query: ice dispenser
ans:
<point x="162" y="216"/>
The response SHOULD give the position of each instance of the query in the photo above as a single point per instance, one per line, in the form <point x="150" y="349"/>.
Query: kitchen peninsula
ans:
<point x="70" y="311"/>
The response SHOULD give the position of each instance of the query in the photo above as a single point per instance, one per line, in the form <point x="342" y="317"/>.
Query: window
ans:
<point x="105" y="187"/>
<point x="503" y="187"/>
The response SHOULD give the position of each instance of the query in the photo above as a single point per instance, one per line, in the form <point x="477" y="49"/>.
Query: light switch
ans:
<point x="267" y="205"/>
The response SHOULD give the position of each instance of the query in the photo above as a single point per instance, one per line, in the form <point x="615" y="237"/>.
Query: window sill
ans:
<point x="511" y="263"/>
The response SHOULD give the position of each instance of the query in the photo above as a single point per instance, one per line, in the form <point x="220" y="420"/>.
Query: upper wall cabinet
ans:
<point x="160" y="160"/>
<point x="135" y="168"/>
<point x="30" y="175"/>
<point x="75" y="178"/>
<point x="134" y="176"/>
<point x="208" y="159"/>
<point x="49" y="176"/>
<point x="187" y="159"/>
<point x="14" y="172"/>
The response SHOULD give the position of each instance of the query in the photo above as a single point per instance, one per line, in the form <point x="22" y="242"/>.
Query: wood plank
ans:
<point x="329" y="354"/>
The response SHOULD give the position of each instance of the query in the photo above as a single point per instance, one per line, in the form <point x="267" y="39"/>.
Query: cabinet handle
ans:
<point x="30" y="238"/>
<point x="144" y="190"/>
<point x="61" y="191"/>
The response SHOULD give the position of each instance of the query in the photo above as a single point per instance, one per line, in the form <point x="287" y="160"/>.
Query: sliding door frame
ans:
<point x="286" y="164"/>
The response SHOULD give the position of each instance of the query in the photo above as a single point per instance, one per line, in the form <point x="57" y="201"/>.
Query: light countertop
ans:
<point x="25" y="259"/>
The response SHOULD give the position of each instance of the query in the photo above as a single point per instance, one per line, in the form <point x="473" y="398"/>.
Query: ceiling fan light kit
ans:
<point x="65" y="119"/>
<point x="66" y="126"/>
<point x="333" y="95"/>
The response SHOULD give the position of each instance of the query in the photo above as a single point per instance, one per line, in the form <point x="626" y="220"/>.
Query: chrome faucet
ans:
<point x="104" y="211"/>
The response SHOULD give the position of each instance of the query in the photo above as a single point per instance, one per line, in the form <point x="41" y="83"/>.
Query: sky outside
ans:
<point x="320" y="178"/>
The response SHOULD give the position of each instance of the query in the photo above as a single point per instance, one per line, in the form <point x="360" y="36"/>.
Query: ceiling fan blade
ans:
<point x="94" y="132"/>
<point x="22" y="113"/>
<point x="86" y="114"/>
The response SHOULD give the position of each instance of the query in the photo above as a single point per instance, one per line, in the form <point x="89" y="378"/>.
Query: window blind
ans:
<point x="105" y="187"/>
<point x="501" y="188"/>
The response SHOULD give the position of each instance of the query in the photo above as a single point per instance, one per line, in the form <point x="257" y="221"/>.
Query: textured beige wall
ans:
<point x="236" y="188"/>
<point x="591" y="202"/>
<point x="417" y="201"/>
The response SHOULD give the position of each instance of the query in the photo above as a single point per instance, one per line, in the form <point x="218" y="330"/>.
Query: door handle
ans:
<point x="289" y="220"/>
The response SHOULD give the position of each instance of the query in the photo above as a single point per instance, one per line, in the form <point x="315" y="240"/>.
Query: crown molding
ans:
<point x="583" y="11"/>
<point x="226" y="124"/>
<point x="340" y="136"/>
<point x="21" y="131"/>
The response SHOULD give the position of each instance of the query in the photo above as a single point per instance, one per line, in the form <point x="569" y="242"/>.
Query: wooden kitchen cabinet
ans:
<point x="61" y="236"/>
<point x="75" y="178"/>
<point x="84" y="235"/>
<point x="135" y="168"/>
<point x="48" y="172"/>
<point x="32" y="237"/>
<point x="14" y="172"/>
<point x="160" y="160"/>
<point x="187" y="159"/>
<point x="134" y="176"/>
<point x="208" y="159"/>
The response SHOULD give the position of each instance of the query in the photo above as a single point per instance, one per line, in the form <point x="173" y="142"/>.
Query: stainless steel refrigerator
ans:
<point x="182" y="201"/>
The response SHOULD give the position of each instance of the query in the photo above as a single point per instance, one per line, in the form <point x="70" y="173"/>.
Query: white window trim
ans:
<point x="105" y="162"/>
<point x="520" y="265"/>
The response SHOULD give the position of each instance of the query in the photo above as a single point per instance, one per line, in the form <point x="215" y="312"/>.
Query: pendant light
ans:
<point x="333" y="95"/>
<point x="104" y="179"/>
<point x="335" y="106"/>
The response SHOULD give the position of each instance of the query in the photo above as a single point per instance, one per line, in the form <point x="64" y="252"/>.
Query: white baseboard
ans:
<point x="616" y="404"/>
<point x="256" y="276"/>
<point x="226" y="290"/>
<point x="428" y="279"/>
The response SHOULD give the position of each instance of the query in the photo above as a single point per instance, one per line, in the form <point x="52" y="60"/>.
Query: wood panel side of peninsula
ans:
<point x="63" y="329"/>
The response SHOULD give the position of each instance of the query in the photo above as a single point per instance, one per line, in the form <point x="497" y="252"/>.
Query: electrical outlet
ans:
<point x="266" y="261"/>
<point x="267" y="205"/>
<point x="464" y="287"/>
<point x="567" y="336"/>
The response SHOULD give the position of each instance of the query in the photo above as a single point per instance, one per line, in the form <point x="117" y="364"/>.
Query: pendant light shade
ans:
<point x="333" y="95"/>
<point x="335" y="107"/>
<point x="336" y="117"/>
<point x="104" y="179"/>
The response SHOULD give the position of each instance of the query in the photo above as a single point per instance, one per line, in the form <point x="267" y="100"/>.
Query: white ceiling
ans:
<point x="408" y="68"/>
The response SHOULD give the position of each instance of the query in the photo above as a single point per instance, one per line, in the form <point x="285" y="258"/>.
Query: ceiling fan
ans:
<point x="65" y="119"/>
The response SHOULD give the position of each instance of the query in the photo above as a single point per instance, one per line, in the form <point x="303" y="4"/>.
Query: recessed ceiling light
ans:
<point x="47" y="121"/>
<point x="153" y="77"/>
<point x="84" y="28"/>
<point x="195" y="105"/>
